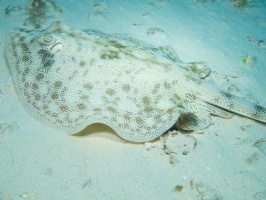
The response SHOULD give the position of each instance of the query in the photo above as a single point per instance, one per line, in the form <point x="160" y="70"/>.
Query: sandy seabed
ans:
<point x="222" y="162"/>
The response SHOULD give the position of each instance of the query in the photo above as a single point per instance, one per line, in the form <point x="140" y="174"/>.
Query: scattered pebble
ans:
<point x="173" y="158"/>
<point x="178" y="188"/>
<point x="248" y="59"/>
<point x="149" y="146"/>
<point x="154" y="30"/>
<point x="20" y="197"/>
<point x="237" y="74"/>
<point x="257" y="42"/>
<point x="5" y="127"/>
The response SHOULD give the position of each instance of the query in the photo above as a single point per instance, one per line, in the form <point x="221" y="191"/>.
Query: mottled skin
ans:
<point x="70" y="79"/>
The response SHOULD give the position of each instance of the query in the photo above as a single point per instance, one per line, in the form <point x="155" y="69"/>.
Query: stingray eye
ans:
<point x="47" y="39"/>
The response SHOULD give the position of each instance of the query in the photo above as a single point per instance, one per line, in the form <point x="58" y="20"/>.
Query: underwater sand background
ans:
<point x="38" y="162"/>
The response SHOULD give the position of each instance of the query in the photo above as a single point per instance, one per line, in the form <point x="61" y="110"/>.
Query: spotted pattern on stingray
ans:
<point x="70" y="79"/>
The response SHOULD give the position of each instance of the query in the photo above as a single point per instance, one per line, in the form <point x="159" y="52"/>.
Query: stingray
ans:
<point x="70" y="79"/>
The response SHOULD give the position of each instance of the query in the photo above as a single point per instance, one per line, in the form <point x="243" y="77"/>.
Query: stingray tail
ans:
<point x="238" y="105"/>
